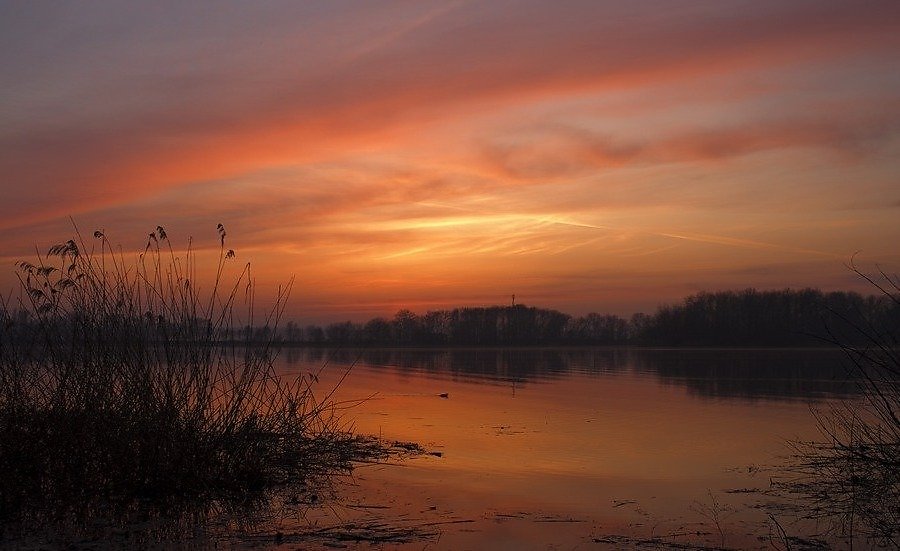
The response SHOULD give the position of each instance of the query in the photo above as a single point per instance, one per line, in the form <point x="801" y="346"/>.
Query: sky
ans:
<point x="582" y="155"/>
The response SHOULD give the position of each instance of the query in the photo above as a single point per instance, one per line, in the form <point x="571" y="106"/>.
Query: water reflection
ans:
<point x="797" y="374"/>
<point x="556" y="447"/>
<point x="616" y="440"/>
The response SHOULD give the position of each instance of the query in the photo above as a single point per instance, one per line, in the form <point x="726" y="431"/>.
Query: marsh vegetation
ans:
<point x="850" y="475"/>
<point x="125" y="384"/>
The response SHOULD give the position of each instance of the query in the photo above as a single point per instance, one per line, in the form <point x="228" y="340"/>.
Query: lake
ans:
<point x="573" y="448"/>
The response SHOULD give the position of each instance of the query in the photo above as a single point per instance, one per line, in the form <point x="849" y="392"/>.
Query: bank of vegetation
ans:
<point x="117" y="388"/>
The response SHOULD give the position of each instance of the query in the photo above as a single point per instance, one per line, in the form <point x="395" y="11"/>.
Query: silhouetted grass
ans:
<point x="126" y="381"/>
<point x="852" y="476"/>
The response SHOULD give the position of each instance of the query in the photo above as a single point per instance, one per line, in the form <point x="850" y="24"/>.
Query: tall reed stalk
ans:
<point x="851" y="477"/>
<point x="124" y="381"/>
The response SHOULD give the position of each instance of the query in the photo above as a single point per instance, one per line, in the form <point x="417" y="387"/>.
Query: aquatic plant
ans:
<point x="852" y="476"/>
<point x="124" y="381"/>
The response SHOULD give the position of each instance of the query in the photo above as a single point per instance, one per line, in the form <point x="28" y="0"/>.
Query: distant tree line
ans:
<point x="727" y="318"/>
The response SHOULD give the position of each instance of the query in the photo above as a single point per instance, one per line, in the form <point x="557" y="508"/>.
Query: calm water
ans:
<point x="567" y="448"/>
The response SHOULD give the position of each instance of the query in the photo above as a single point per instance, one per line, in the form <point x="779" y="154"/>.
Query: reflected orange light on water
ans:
<point x="605" y="446"/>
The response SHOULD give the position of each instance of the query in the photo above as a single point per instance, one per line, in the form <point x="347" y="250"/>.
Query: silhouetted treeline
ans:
<point x="730" y="318"/>
<point x="747" y="318"/>
<point x="496" y="325"/>
<point x="771" y="318"/>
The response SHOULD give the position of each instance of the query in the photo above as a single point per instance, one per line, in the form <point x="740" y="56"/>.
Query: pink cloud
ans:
<point x="302" y="108"/>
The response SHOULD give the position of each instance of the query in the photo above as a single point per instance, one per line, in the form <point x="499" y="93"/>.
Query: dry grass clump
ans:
<point x="124" y="382"/>
<point x="852" y="476"/>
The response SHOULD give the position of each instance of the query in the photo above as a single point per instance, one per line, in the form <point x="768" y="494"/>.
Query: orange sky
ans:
<point x="586" y="156"/>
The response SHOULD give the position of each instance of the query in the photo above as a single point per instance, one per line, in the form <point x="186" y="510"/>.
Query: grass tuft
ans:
<point x="124" y="382"/>
<point x="851" y="476"/>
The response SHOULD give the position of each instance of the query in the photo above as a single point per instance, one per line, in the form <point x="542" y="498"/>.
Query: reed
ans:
<point x="851" y="476"/>
<point x="127" y="381"/>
